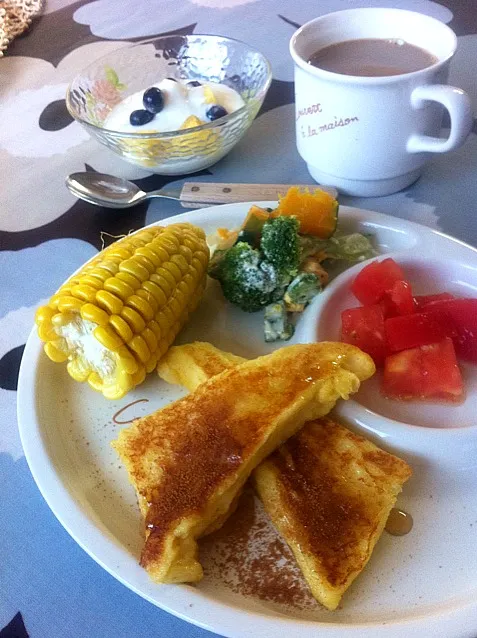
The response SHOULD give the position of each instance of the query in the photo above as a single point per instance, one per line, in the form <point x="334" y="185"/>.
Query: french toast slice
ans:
<point x="189" y="460"/>
<point x="194" y="363"/>
<point x="327" y="490"/>
<point x="329" y="493"/>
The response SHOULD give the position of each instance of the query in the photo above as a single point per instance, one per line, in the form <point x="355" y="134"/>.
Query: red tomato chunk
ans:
<point x="421" y="301"/>
<point x="428" y="372"/>
<point x="401" y="298"/>
<point x="364" y="327"/>
<point x="413" y="331"/>
<point x="460" y="317"/>
<point x="375" y="280"/>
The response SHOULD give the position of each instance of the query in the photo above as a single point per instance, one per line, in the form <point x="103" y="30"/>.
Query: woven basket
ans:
<point x="15" y="18"/>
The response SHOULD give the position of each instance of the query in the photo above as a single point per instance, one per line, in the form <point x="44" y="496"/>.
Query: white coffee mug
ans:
<point x="371" y="136"/>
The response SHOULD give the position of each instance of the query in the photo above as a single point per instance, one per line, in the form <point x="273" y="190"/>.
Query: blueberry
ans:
<point x="194" y="83"/>
<point x="153" y="100"/>
<point x="140" y="117"/>
<point x="215" y="112"/>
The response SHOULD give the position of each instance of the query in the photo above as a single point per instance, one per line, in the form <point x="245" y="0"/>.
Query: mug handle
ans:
<point x="458" y="105"/>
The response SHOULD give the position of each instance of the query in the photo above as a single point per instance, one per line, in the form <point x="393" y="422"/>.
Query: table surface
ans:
<point x="48" y="585"/>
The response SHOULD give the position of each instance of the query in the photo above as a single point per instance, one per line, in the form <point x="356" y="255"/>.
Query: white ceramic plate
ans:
<point x="421" y="584"/>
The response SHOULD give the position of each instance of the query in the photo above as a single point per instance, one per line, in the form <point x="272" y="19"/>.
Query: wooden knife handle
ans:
<point x="209" y="194"/>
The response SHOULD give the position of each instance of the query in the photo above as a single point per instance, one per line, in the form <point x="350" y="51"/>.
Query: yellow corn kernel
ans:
<point x="46" y="332"/>
<point x="133" y="318"/>
<point x="121" y="327"/>
<point x="109" y="302"/>
<point x="84" y="292"/>
<point x="118" y="288"/>
<point x="174" y="270"/>
<point x="133" y="267"/>
<point x="129" y="279"/>
<point x="169" y="243"/>
<point x="68" y="304"/>
<point x="44" y="314"/>
<point x="88" y="280"/>
<point x="110" y="265"/>
<point x="56" y="355"/>
<point x="139" y="346"/>
<point x="181" y="262"/>
<point x="108" y="338"/>
<point x="152" y="255"/>
<point x="100" y="273"/>
<point x="127" y="361"/>
<point x="149" y="299"/>
<point x="144" y="261"/>
<point x="138" y="377"/>
<point x="150" y="338"/>
<point x="95" y="381"/>
<point x="156" y="328"/>
<point x="141" y="306"/>
<point x="156" y="291"/>
<point x="163" y="282"/>
<point x="90" y="312"/>
<point x="151" y="364"/>
<point x="162" y="254"/>
<point x="77" y="370"/>
<point x="186" y="252"/>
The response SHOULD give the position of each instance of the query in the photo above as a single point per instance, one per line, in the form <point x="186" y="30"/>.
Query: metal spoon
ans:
<point x="115" y="192"/>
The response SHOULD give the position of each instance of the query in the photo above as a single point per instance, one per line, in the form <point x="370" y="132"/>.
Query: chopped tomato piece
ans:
<point x="421" y="301"/>
<point x="427" y="372"/>
<point x="389" y="309"/>
<point x="412" y="331"/>
<point x="460" y="319"/>
<point x="375" y="280"/>
<point x="364" y="327"/>
<point x="401" y="297"/>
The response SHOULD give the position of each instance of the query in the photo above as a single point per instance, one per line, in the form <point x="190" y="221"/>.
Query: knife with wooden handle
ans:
<point x="209" y="194"/>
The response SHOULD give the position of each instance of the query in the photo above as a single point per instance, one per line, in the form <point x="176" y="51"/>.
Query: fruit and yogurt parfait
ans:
<point x="172" y="105"/>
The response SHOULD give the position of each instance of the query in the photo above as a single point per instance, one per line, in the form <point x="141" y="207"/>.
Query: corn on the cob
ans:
<point x="117" y="317"/>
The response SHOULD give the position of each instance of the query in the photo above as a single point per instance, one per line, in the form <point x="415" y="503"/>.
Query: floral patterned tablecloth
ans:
<point x="49" y="588"/>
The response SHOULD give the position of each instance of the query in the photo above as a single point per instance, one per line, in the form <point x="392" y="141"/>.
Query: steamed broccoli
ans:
<point x="280" y="245"/>
<point x="301" y="291"/>
<point x="247" y="281"/>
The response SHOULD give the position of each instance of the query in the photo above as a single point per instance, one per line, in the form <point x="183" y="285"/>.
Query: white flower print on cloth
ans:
<point x="257" y="22"/>
<point x="36" y="161"/>
<point x="33" y="275"/>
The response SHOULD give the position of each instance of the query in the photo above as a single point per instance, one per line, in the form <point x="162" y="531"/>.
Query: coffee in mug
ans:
<point x="370" y="92"/>
<point x="372" y="57"/>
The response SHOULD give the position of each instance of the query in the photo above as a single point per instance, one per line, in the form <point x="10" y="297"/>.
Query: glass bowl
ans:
<point x="102" y="85"/>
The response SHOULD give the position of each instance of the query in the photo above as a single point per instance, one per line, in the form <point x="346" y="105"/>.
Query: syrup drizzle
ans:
<point x="399" y="522"/>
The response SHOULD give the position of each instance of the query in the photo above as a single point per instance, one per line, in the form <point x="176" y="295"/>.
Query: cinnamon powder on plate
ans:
<point x="249" y="557"/>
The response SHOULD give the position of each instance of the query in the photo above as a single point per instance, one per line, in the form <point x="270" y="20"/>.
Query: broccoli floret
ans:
<point x="301" y="291"/>
<point x="276" y="324"/>
<point x="246" y="280"/>
<point x="280" y="245"/>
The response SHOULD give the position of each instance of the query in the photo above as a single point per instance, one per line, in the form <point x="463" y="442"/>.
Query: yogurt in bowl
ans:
<point x="178" y="105"/>
<point x="204" y="93"/>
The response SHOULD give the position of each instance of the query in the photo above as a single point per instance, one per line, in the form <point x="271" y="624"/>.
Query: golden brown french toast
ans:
<point x="194" y="363"/>
<point x="189" y="460"/>
<point x="329" y="492"/>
